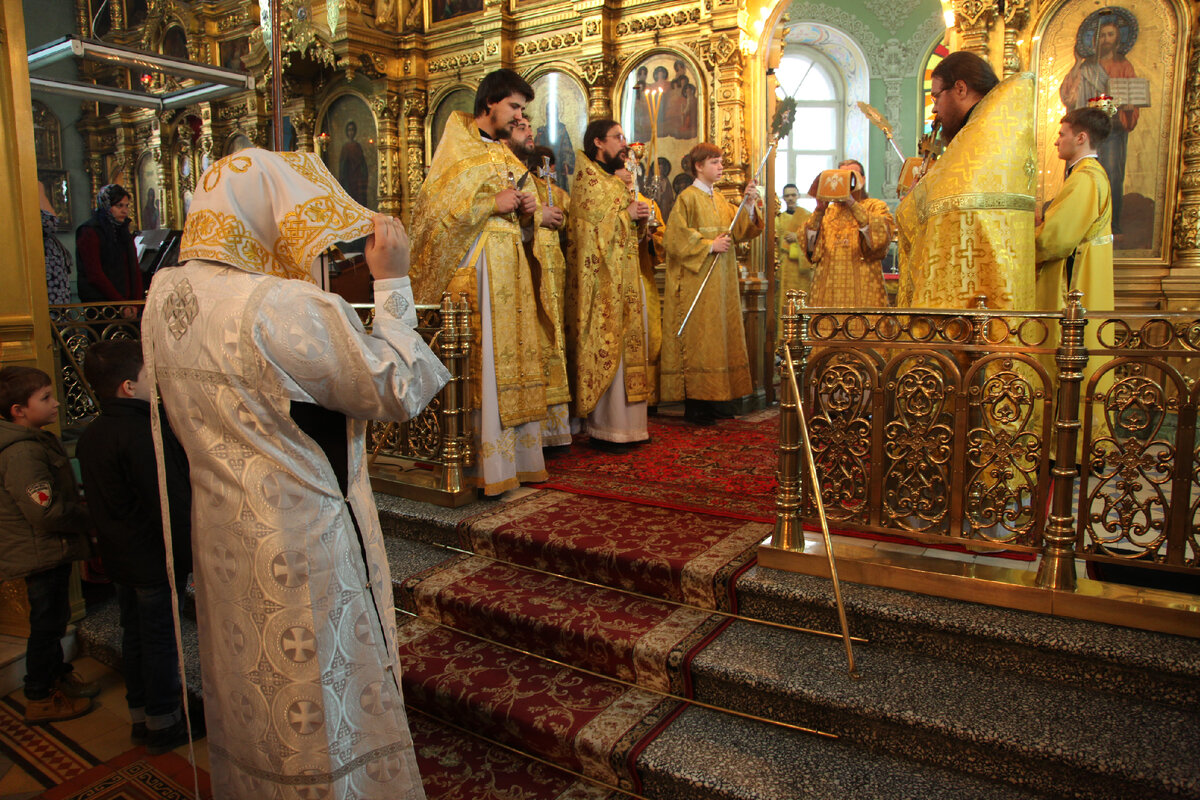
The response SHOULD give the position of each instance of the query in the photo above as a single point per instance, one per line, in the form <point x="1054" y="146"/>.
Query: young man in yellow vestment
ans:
<point x="470" y="223"/>
<point x="708" y="364"/>
<point x="1075" y="239"/>
<point x="550" y="274"/>
<point x="606" y="302"/>
<point x="846" y="242"/>
<point x="651" y="255"/>
<point x="966" y="229"/>
<point x="795" y="271"/>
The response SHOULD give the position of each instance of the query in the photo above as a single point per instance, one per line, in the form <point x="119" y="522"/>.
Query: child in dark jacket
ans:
<point x="117" y="460"/>
<point x="43" y="529"/>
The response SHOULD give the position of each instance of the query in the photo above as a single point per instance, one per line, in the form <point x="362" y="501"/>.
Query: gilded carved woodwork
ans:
<point x="973" y="19"/>
<point x="1186" y="228"/>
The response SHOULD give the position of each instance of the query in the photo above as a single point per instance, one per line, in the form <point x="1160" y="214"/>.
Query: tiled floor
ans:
<point x="104" y="732"/>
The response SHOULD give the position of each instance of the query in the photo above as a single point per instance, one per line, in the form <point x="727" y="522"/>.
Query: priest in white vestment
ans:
<point x="268" y="382"/>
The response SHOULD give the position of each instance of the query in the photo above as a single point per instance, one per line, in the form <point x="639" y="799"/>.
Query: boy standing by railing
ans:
<point x="117" y="461"/>
<point x="43" y="528"/>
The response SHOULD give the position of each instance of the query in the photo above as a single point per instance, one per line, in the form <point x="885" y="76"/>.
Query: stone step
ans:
<point x="1000" y="724"/>
<point x="1121" y="661"/>
<point x="657" y="747"/>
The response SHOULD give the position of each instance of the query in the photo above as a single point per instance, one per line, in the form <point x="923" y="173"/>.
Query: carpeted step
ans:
<point x="634" y="639"/>
<point x="616" y="734"/>
<point x="457" y="766"/>
<point x="996" y="726"/>
<point x="1052" y="737"/>
<point x="1110" y="659"/>
<point x="677" y="555"/>
<point x="581" y="722"/>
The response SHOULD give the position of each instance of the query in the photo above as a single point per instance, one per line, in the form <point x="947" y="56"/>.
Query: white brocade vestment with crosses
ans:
<point x="297" y="623"/>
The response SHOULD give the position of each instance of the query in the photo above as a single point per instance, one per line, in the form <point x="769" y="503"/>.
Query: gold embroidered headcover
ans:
<point x="273" y="213"/>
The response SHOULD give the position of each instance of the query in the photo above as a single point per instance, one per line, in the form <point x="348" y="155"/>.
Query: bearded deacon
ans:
<point x="606" y="302"/>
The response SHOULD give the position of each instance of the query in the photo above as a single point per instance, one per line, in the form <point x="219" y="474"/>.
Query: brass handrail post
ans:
<point x="451" y="412"/>
<point x="789" y="533"/>
<point x="466" y="446"/>
<point x="1057" y="570"/>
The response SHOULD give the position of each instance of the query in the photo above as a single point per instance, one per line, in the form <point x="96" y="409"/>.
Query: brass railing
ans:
<point x="422" y="458"/>
<point x="947" y="427"/>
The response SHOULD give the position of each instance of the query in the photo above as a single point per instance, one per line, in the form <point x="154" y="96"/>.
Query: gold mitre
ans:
<point x="1105" y="103"/>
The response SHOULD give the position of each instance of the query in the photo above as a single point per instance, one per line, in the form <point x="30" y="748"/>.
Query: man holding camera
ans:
<point x="846" y="240"/>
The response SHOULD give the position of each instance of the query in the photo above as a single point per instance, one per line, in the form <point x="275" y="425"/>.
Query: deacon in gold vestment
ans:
<point x="1076" y="236"/>
<point x="795" y="270"/>
<point x="709" y="362"/>
<point x="651" y="255"/>
<point x="549" y="271"/>
<point x="966" y="228"/>
<point x="606" y="317"/>
<point x="847" y="242"/>
<point x="469" y="224"/>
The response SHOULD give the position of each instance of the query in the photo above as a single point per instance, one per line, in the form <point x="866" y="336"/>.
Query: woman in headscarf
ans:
<point x="268" y="382"/>
<point x="104" y="250"/>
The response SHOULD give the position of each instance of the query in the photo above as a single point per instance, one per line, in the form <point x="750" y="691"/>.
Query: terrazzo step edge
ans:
<point x="755" y="669"/>
<point x="1123" y="662"/>
<point x="1054" y="738"/>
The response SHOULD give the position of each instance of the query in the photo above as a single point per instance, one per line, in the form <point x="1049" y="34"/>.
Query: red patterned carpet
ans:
<point x="455" y="766"/>
<point x="635" y="639"/>
<point x="676" y="555"/>
<point x="136" y="775"/>
<point x="727" y="469"/>
<point x="587" y="724"/>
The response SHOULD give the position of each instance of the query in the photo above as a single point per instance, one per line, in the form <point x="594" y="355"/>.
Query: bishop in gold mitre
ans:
<point x="966" y="228"/>
<point x="469" y="224"/>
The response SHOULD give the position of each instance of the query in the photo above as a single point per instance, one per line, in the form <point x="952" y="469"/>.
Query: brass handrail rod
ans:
<point x="576" y="668"/>
<point x="642" y="596"/>
<point x="820" y="504"/>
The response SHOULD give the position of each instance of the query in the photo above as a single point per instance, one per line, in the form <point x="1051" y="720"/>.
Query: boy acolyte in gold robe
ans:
<point x="966" y="228"/>
<point x="1077" y="228"/>
<point x="708" y="362"/>
<point x="606" y="318"/>
<point x="847" y="242"/>
<point x="464" y="243"/>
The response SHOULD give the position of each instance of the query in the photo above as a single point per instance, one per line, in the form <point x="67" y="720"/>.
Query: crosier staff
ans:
<point x="712" y="261"/>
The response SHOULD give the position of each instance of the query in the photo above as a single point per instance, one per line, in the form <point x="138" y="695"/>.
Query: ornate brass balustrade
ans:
<point x="947" y="427"/>
<point x="423" y="458"/>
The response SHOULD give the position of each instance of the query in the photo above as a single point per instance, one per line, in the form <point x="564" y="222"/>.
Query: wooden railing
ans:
<point x="947" y="427"/>
<point x="423" y="458"/>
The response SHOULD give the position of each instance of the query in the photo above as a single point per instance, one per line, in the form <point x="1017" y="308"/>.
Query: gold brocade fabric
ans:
<point x="604" y="289"/>
<point x="967" y="227"/>
<point x="848" y="271"/>
<point x="454" y="209"/>
<point x="795" y="274"/>
<point x="651" y="255"/>
<point x="282" y="232"/>
<point x="549" y="278"/>
<point x="709" y="362"/>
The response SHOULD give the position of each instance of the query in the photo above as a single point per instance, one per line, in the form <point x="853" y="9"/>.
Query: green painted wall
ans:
<point x="894" y="36"/>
